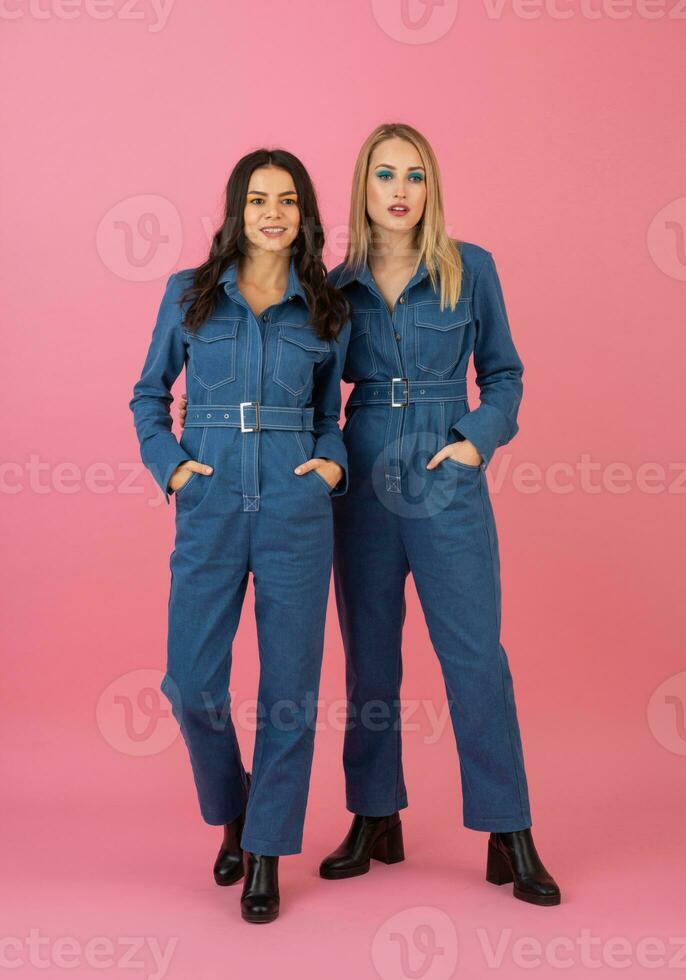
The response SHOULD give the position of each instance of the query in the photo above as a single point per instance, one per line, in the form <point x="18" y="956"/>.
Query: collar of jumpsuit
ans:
<point x="228" y="279"/>
<point x="363" y="275"/>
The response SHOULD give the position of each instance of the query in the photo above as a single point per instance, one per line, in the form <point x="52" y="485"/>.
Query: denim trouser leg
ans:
<point x="456" y="569"/>
<point x="292" y="575"/>
<point x="205" y="601"/>
<point x="370" y="569"/>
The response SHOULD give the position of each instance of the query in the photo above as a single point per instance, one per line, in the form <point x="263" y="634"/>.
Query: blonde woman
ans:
<point x="418" y="501"/>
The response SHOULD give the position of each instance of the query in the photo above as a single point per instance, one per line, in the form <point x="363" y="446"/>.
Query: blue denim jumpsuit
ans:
<point x="409" y="400"/>
<point x="263" y="396"/>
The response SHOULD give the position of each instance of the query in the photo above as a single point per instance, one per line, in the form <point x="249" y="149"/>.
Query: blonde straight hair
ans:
<point x="434" y="246"/>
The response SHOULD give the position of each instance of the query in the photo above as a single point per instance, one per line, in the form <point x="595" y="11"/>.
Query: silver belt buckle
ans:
<point x="256" y="406"/>
<point x="406" y="392"/>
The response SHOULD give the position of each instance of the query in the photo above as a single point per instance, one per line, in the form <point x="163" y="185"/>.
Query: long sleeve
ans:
<point x="160" y="449"/>
<point x="498" y="369"/>
<point x="326" y="398"/>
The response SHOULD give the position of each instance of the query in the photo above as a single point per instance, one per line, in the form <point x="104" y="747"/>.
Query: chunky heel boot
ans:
<point x="228" y="867"/>
<point x="498" y="870"/>
<point x="512" y="857"/>
<point x="380" y="838"/>
<point x="389" y="846"/>
<point x="260" y="898"/>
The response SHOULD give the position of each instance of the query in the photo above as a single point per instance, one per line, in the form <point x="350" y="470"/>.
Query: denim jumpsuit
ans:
<point x="263" y="396"/>
<point x="410" y="399"/>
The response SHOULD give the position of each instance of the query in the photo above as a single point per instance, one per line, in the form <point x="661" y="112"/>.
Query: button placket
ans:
<point x="394" y="431"/>
<point x="252" y="391"/>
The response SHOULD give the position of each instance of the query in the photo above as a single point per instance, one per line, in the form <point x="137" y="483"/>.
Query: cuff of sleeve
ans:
<point x="487" y="428"/>
<point x="331" y="446"/>
<point x="164" y="465"/>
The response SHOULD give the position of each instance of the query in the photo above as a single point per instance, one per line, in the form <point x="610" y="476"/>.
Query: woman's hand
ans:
<point x="329" y="471"/>
<point x="464" y="452"/>
<point x="182" y="473"/>
<point x="183" y="402"/>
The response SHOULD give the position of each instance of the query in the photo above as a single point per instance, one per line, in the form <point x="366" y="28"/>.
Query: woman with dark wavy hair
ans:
<point x="263" y="337"/>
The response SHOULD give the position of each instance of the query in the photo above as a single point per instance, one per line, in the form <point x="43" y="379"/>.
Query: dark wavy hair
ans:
<point x="329" y="309"/>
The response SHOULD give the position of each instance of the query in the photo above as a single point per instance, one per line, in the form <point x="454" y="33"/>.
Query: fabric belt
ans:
<point x="399" y="393"/>
<point x="251" y="416"/>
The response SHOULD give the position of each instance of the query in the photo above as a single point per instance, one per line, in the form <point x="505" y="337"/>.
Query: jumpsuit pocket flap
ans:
<point x="303" y="337"/>
<point x="216" y="328"/>
<point x="359" y="323"/>
<point x="429" y="315"/>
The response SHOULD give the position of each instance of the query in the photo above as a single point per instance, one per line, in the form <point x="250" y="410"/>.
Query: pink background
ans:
<point x="559" y="129"/>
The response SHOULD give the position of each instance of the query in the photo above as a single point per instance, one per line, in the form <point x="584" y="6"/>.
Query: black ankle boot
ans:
<point x="228" y="868"/>
<point x="369" y="837"/>
<point x="260" y="898"/>
<point x="513" y="857"/>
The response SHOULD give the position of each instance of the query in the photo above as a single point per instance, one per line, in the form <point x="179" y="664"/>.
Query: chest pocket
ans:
<point x="439" y="335"/>
<point x="360" y="362"/>
<point x="298" y="349"/>
<point x="212" y="351"/>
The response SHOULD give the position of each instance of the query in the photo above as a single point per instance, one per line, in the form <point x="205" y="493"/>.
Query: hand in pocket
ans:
<point x="464" y="452"/>
<point x="184" y="471"/>
<point x="330" y="472"/>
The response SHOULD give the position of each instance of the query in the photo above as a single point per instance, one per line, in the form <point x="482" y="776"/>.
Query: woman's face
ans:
<point x="271" y="218"/>
<point x="396" y="186"/>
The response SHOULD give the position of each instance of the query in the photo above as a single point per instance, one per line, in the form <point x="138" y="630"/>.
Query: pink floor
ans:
<point x="117" y="857"/>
